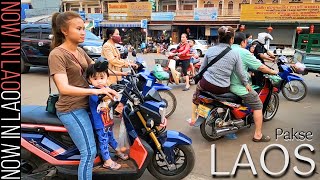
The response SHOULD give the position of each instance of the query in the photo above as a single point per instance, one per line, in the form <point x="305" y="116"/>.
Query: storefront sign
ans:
<point x="162" y="16"/>
<point x="95" y="16"/>
<point x="280" y="12"/>
<point x="129" y="11"/>
<point x="205" y="14"/>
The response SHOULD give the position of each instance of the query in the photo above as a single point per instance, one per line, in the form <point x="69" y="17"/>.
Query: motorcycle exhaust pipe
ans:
<point x="225" y="131"/>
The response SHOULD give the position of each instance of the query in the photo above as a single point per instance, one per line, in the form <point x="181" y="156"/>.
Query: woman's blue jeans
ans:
<point x="79" y="127"/>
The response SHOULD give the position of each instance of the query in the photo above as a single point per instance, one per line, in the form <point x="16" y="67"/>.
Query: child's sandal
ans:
<point x="122" y="156"/>
<point x="113" y="166"/>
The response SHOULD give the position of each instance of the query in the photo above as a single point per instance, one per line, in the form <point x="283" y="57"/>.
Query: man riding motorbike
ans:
<point x="251" y="98"/>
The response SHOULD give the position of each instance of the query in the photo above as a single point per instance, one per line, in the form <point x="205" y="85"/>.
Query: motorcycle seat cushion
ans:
<point x="229" y="97"/>
<point x="32" y="114"/>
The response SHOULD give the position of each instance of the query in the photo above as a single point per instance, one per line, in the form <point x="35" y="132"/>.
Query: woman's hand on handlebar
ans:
<point x="125" y="73"/>
<point x="107" y="91"/>
<point x="135" y="66"/>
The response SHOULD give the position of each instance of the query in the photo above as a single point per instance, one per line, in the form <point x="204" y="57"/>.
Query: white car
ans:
<point x="201" y="46"/>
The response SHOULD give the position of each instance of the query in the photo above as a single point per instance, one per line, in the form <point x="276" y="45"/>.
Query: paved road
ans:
<point x="302" y="116"/>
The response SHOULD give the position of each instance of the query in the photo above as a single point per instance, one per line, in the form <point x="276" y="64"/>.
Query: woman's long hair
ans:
<point x="59" y="21"/>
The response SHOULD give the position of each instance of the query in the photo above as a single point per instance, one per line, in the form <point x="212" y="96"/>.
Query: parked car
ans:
<point x="36" y="40"/>
<point x="201" y="46"/>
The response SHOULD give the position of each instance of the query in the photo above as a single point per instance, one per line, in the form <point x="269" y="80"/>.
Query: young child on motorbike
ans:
<point x="193" y="54"/>
<point x="101" y="119"/>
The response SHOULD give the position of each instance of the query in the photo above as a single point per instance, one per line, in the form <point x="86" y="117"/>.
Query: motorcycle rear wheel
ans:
<point x="170" y="100"/>
<point x="209" y="122"/>
<point x="297" y="87"/>
<point x="161" y="172"/>
<point x="272" y="107"/>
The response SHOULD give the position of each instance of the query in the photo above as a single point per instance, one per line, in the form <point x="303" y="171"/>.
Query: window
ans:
<point x="89" y="10"/>
<point x="230" y="7"/>
<point x="275" y="1"/>
<point x="171" y="8"/>
<point x="74" y="9"/>
<point x="220" y="8"/>
<point x="97" y="10"/>
<point x="260" y="2"/>
<point x="295" y="1"/>
<point x="45" y="32"/>
<point x="31" y="33"/>
<point x="209" y="5"/>
<point x="187" y="7"/>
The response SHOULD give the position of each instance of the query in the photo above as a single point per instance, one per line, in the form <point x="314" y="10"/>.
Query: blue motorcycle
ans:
<point x="292" y="87"/>
<point x="147" y="80"/>
<point x="166" y="154"/>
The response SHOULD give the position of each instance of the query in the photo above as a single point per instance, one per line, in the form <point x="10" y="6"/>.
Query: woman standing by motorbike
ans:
<point x="182" y="52"/>
<point x="67" y="62"/>
<point x="112" y="54"/>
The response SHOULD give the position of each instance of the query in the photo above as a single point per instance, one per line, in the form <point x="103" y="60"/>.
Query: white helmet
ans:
<point x="263" y="37"/>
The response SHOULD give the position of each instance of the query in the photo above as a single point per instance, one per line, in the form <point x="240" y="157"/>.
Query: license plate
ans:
<point x="203" y="111"/>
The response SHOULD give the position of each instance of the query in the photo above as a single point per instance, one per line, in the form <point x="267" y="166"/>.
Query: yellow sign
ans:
<point x="280" y="12"/>
<point x="130" y="11"/>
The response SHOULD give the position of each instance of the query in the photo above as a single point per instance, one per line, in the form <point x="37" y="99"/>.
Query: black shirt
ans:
<point x="259" y="49"/>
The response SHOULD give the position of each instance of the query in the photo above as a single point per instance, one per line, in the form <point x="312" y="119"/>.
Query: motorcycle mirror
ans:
<point x="101" y="64"/>
<point x="134" y="53"/>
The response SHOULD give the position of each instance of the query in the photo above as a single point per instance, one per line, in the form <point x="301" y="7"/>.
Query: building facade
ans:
<point x="228" y="12"/>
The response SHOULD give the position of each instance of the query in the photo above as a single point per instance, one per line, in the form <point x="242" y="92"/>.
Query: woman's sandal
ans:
<point x="113" y="166"/>
<point x="122" y="156"/>
<point x="262" y="139"/>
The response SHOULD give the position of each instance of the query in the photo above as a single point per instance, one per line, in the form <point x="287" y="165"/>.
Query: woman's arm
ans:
<point x="113" y="58"/>
<point x="186" y="49"/>
<point x="61" y="81"/>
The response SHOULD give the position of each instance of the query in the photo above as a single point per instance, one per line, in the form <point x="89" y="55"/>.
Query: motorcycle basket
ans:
<point x="162" y="62"/>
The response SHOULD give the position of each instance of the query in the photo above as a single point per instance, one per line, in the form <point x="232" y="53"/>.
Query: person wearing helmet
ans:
<point x="262" y="54"/>
<point x="260" y="51"/>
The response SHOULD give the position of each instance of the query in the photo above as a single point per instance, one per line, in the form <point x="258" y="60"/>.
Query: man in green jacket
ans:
<point x="251" y="98"/>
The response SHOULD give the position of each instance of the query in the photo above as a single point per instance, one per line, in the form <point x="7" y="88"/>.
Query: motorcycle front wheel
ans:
<point x="171" y="102"/>
<point x="184" y="163"/>
<point x="297" y="92"/>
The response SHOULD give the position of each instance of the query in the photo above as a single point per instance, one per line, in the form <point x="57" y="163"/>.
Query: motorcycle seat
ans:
<point x="32" y="114"/>
<point x="229" y="97"/>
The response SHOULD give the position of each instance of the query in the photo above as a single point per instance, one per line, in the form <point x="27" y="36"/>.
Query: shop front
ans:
<point x="283" y="21"/>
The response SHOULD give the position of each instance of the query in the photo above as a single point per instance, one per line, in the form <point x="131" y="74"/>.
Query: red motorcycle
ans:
<point x="219" y="115"/>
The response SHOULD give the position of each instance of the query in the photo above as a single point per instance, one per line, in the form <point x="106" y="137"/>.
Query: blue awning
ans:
<point x="119" y="24"/>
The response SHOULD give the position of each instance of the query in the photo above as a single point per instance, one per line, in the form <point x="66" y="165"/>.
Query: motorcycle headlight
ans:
<point x="162" y="112"/>
<point x="93" y="49"/>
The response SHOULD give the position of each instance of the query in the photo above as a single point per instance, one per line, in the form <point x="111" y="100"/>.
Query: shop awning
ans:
<point x="119" y="24"/>
<point x="160" y="27"/>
